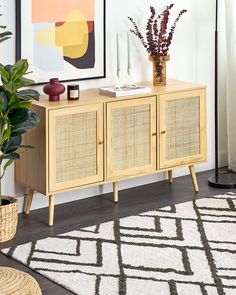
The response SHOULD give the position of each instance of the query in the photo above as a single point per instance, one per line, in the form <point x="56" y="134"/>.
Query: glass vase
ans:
<point x="159" y="69"/>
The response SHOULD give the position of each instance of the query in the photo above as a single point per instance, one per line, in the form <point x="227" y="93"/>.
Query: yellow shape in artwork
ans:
<point x="73" y="35"/>
<point x="47" y="37"/>
<point x="73" y="51"/>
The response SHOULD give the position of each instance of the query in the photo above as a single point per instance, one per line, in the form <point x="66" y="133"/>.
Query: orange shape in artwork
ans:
<point x="90" y="26"/>
<point x="52" y="11"/>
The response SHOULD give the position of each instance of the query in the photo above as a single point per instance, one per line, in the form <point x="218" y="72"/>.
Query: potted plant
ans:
<point x="158" y="40"/>
<point x="15" y="119"/>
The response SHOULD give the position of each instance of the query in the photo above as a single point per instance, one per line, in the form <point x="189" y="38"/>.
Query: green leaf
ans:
<point x="5" y="75"/>
<point x="8" y="69"/>
<point x="9" y="86"/>
<point x="5" y="131"/>
<point x="26" y="146"/>
<point x="7" y="164"/>
<point x="6" y="135"/>
<point x="12" y="145"/>
<point x="30" y="72"/>
<point x="5" y="36"/>
<point x="3" y="102"/>
<point x="21" y="104"/>
<point x="27" y="125"/>
<point x="4" y="39"/>
<point x="13" y="99"/>
<point x="21" y="82"/>
<point x="19" y="69"/>
<point x="2" y="121"/>
<point x="12" y="156"/>
<point x="28" y="94"/>
<point x="15" y="140"/>
<point x="18" y="116"/>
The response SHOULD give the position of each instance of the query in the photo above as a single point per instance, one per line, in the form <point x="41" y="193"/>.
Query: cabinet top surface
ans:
<point x="92" y="95"/>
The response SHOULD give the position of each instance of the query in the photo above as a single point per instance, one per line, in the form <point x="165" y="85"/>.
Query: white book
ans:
<point x="124" y="90"/>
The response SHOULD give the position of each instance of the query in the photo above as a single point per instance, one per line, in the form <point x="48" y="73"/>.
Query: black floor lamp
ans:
<point x="220" y="179"/>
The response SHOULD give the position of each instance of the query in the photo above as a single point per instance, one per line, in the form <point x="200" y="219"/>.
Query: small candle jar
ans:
<point x="73" y="92"/>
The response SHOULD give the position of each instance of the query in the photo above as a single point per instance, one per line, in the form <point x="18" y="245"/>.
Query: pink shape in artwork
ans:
<point x="51" y="11"/>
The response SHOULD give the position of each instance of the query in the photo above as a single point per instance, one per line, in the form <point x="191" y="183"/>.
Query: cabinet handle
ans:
<point x="100" y="142"/>
<point x="154" y="134"/>
<point x="163" y="132"/>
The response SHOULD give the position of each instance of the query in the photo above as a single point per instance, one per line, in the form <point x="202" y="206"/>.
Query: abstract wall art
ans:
<point x="65" y="38"/>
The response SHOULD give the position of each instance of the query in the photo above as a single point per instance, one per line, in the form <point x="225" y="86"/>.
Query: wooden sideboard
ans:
<point x="99" y="139"/>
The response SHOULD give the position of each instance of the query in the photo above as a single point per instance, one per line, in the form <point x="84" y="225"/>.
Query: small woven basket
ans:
<point x="8" y="219"/>
<point x="15" y="282"/>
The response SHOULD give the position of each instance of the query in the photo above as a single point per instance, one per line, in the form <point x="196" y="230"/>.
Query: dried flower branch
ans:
<point x="136" y="32"/>
<point x="150" y="32"/>
<point x="172" y="29"/>
<point x="158" y="39"/>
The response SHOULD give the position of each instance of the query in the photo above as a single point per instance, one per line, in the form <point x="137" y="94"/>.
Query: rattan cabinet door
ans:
<point x="182" y="128"/>
<point x="75" y="146"/>
<point x="131" y="137"/>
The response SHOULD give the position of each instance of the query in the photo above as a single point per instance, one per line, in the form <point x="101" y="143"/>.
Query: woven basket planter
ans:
<point x="8" y="218"/>
<point x="15" y="282"/>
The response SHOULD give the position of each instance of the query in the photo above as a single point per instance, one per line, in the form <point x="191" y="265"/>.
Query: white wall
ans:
<point x="192" y="59"/>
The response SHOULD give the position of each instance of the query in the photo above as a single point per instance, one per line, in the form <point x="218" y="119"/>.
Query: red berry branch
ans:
<point x="158" y="39"/>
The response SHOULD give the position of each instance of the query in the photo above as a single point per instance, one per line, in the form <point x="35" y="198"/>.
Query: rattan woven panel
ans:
<point x="182" y="127"/>
<point x="131" y="137"/>
<point x="76" y="146"/>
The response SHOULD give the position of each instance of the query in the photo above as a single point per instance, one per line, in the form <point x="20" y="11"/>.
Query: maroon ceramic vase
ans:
<point x="54" y="89"/>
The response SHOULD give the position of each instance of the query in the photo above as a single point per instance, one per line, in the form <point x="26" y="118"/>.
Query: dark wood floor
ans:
<point x="99" y="209"/>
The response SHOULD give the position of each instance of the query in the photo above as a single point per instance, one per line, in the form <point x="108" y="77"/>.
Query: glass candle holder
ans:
<point x="73" y="92"/>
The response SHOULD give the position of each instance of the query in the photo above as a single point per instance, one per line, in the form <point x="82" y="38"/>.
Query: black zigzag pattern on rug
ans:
<point x="189" y="248"/>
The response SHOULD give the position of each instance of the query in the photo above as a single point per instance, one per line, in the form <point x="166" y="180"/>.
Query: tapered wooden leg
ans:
<point x="115" y="191"/>
<point x="51" y="210"/>
<point x="170" y="176"/>
<point x="194" y="178"/>
<point x="29" y="199"/>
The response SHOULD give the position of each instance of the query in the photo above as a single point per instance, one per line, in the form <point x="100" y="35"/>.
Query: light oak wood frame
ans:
<point x="194" y="178"/>
<point x="136" y="171"/>
<point x="29" y="199"/>
<point x="170" y="176"/>
<point x="184" y="161"/>
<point x="51" y="201"/>
<point x="32" y="168"/>
<point x="98" y="177"/>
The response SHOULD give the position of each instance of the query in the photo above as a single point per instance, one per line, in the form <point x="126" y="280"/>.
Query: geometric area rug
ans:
<point x="186" y="249"/>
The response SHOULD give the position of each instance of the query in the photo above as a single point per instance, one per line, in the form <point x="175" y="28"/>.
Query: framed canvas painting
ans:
<point x="63" y="39"/>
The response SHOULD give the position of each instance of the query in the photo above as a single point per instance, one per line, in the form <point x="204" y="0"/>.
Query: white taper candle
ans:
<point x="128" y="54"/>
<point x="118" y="54"/>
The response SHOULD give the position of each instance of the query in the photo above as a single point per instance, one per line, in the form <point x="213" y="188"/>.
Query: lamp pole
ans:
<point x="225" y="179"/>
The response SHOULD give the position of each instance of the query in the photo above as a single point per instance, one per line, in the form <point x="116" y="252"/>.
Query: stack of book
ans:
<point x="124" y="90"/>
